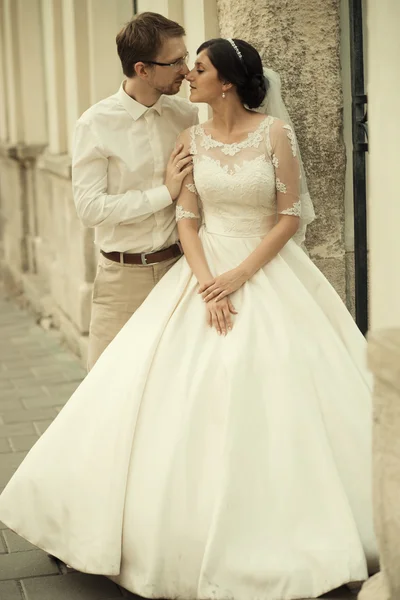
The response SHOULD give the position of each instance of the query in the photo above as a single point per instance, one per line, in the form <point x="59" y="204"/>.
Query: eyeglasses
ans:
<point x="177" y="64"/>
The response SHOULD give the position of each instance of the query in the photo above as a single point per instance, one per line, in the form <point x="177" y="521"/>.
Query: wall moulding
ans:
<point x="56" y="164"/>
<point x="21" y="152"/>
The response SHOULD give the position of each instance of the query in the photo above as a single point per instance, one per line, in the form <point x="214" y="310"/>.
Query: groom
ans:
<point x="125" y="180"/>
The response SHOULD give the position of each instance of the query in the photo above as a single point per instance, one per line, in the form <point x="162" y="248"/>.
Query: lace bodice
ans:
<point x="241" y="187"/>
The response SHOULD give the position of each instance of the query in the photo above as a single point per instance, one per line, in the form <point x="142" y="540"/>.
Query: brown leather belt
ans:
<point x="145" y="258"/>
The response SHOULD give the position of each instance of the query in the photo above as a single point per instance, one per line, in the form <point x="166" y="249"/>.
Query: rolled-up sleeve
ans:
<point x="89" y="182"/>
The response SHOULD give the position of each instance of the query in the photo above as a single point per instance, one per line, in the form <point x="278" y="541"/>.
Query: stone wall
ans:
<point x="56" y="59"/>
<point x="47" y="254"/>
<point x="301" y="40"/>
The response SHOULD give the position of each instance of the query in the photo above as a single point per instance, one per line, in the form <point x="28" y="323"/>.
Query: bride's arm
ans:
<point x="188" y="221"/>
<point x="287" y="177"/>
<point x="287" y="174"/>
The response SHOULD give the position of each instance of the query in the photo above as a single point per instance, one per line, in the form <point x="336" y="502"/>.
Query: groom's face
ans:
<point x="168" y="79"/>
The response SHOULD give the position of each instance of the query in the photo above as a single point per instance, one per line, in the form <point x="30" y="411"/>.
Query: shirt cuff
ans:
<point x="159" y="198"/>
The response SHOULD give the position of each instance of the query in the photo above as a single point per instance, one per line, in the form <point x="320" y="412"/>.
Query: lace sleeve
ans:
<point x="191" y="187"/>
<point x="187" y="207"/>
<point x="181" y="213"/>
<point x="287" y="169"/>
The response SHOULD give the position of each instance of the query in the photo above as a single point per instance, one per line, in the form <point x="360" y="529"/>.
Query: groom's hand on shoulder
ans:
<point x="179" y="165"/>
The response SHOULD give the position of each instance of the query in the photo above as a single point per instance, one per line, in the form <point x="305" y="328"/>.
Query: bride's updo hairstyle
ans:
<point x="239" y="63"/>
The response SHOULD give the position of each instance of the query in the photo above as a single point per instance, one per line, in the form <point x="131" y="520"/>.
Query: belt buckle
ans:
<point x="143" y="258"/>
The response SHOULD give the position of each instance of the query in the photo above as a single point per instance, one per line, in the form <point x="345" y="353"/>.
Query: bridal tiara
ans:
<point x="230" y="40"/>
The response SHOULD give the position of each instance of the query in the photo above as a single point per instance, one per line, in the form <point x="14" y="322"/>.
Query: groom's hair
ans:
<point x="142" y="38"/>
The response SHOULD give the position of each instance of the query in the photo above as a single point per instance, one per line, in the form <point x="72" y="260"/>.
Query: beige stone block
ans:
<point x="12" y="214"/>
<point x="72" y="296"/>
<point x="375" y="588"/>
<point x="85" y="305"/>
<point x="384" y="361"/>
<point x="65" y="254"/>
<point x="18" y="192"/>
<point x="44" y="216"/>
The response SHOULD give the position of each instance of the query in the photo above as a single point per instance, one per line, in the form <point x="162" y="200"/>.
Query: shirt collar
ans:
<point x="135" y="109"/>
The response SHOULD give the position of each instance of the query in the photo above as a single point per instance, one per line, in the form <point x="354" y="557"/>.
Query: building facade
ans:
<point x="57" y="57"/>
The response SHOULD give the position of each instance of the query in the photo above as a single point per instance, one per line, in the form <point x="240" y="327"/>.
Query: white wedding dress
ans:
<point x="192" y="465"/>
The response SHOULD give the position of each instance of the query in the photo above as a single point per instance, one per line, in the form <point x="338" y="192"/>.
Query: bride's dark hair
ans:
<point x="245" y="72"/>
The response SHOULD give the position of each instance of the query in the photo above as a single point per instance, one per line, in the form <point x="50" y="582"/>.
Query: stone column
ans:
<point x="76" y="62"/>
<point x="92" y="68"/>
<point x="105" y="19"/>
<point x="384" y="340"/>
<point x="3" y="93"/>
<point x="169" y="8"/>
<point x="80" y="34"/>
<point x="12" y="84"/>
<point x="201" y="23"/>
<point x="53" y="43"/>
<point x="22" y="67"/>
<point x="31" y="72"/>
<point x="27" y="131"/>
<point x="301" y="40"/>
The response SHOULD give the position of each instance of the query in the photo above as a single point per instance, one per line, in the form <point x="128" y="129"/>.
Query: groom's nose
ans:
<point x="185" y="70"/>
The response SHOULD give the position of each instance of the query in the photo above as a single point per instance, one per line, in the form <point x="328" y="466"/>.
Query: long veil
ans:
<point x="274" y="105"/>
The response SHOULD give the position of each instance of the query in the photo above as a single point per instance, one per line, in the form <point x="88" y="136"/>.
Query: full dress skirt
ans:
<point x="201" y="466"/>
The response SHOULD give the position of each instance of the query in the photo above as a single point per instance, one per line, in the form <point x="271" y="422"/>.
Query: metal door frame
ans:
<point x="360" y="147"/>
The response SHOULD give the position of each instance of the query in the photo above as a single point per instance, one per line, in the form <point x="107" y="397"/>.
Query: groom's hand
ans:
<point x="179" y="165"/>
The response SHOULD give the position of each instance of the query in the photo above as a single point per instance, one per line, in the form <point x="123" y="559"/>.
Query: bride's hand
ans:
<point x="223" y="285"/>
<point x="219" y="315"/>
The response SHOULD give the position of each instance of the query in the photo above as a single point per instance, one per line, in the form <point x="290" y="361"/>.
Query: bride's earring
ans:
<point x="223" y="95"/>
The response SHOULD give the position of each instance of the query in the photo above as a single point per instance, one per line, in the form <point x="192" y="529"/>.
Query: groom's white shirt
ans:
<point x="120" y="154"/>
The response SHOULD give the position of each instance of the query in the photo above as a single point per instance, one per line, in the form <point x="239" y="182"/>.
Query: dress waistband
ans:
<point x="239" y="226"/>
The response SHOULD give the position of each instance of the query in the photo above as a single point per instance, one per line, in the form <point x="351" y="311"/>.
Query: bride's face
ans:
<point x="205" y="85"/>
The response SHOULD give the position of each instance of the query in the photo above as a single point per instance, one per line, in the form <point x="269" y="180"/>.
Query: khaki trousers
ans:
<point x="118" y="291"/>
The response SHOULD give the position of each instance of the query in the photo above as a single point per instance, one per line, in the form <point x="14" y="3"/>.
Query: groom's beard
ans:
<point x="171" y="89"/>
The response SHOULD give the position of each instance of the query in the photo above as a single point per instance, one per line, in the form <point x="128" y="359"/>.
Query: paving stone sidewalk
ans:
<point x="37" y="376"/>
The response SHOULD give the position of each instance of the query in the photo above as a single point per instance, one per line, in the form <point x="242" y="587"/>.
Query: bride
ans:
<point x="234" y="466"/>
